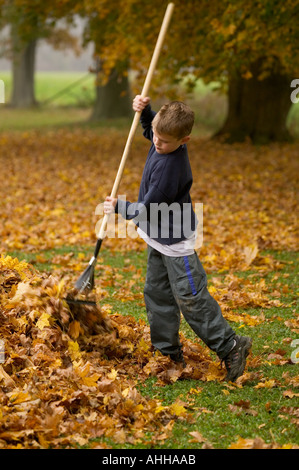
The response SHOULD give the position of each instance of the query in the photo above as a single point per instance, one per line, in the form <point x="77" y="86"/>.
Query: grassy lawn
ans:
<point x="58" y="88"/>
<point x="66" y="99"/>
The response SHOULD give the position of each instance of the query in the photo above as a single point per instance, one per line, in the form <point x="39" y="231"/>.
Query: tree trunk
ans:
<point x="23" y="69"/>
<point x="257" y="108"/>
<point x="112" y="99"/>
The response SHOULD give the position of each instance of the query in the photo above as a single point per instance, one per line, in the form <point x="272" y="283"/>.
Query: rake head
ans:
<point x="84" y="284"/>
<point x="86" y="280"/>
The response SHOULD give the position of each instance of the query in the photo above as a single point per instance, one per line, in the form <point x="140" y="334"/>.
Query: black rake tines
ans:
<point x="86" y="281"/>
<point x="79" y="301"/>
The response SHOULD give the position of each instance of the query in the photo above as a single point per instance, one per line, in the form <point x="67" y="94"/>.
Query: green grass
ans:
<point x="28" y="119"/>
<point x="64" y="107"/>
<point x="58" y="88"/>
<point x="58" y="105"/>
<point x="217" y="409"/>
<point x="293" y="120"/>
<point x="212" y="407"/>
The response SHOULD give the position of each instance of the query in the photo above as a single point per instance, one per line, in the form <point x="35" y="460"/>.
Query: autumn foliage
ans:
<point x="53" y="182"/>
<point x="72" y="376"/>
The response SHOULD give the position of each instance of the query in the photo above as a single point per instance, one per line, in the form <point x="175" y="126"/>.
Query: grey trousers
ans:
<point x="177" y="285"/>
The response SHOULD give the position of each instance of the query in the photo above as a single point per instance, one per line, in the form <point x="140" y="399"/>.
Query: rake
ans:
<point x="86" y="281"/>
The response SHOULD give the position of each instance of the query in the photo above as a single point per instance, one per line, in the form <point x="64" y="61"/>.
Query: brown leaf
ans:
<point x="197" y="437"/>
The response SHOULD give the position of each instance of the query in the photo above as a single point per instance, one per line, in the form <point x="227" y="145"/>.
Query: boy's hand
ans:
<point x="109" y="205"/>
<point x="139" y="103"/>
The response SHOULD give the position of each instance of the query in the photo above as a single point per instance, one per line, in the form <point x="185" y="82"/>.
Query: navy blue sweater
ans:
<point x="164" y="209"/>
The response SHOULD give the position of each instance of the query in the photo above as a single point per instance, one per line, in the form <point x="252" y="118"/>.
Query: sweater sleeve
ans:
<point x="139" y="210"/>
<point x="146" y="118"/>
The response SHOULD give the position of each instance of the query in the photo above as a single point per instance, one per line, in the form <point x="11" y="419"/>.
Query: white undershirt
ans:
<point x="183" y="248"/>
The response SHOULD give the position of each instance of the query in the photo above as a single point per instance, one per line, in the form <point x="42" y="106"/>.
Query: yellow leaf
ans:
<point x="177" y="409"/>
<point x="57" y="212"/>
<point x="125" y="392"/>
<point x="241" y="444"/>
<point x="159" y="409"/>
<point x="143" y="346"/>
<point x="112" y="375"/>
<point x="195" y="391"/>
<point x="57" y="363"/>
<point x="287" y="446"/>
<point x="74" y="350"/>
<point x="43" y="321"/>
<point x="214" y="372"/>
<point x="267" y="384"/>
<point x="60" y="286"/>
<point x="43" y="442"/>
<point x="91" y="381"/>
<point x="212" y="290"/>
<point x="19" y="397"/>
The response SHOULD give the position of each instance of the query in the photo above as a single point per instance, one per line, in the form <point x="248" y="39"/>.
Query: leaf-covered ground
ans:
<point x="52" y="183"/>
<point x="70" y="376"/>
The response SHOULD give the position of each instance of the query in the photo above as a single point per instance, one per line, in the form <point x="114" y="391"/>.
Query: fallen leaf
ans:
<point x="197" y="437"/>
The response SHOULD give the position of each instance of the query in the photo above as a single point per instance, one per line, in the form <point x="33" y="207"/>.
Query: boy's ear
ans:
<point x="185" y="139"/>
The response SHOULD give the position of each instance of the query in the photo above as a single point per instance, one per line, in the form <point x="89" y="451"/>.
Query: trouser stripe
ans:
<point x="188" y="271"/>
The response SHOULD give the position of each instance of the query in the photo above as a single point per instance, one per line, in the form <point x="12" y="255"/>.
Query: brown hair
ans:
<point x="175" y="119"/>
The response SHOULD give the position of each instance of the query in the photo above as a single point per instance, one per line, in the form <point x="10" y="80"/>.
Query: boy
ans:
<point x="175" y="281"/>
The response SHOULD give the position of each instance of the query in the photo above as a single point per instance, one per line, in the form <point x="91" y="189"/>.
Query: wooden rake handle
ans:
<point x="136" y="119"/>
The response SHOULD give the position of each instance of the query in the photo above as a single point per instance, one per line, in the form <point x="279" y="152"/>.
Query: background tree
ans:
<point x="253" y="48"/>
<point x="30" y="21"/>
<point x="249" y="48"/>
<point x="113" y="94"/>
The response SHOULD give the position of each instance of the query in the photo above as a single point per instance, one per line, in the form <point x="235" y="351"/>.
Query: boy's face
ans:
<point x="167" y="143"/>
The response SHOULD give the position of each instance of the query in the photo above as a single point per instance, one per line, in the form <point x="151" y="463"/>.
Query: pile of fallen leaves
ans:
<point x="71" y="374"/>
